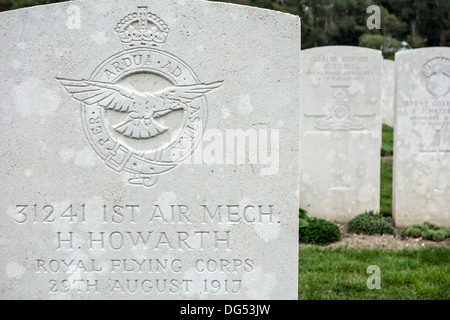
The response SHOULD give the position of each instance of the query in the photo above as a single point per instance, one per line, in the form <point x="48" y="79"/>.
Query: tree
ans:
<point x="387" y="38"/>
<point x="332" y="21"/>
<point x="425" y="19"/>
<point x="386" y="44"/>
<point x="445" y="33"/>
<point x="5" y="5"/>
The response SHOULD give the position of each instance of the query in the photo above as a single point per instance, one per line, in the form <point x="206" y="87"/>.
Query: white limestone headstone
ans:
<point x="421" y="177"/>
<point x="340" y="131"/>
<point x="149" y="151"/>
<point x="388" y="92"/>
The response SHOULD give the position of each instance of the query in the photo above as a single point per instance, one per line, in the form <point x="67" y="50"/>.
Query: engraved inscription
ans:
<point x="432" y="119"/>
<point x="429" y="113"/>
<point x="126" y="229"/>
<point x="339" y="70"/>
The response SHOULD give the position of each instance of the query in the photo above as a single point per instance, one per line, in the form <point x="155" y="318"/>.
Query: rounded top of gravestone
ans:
<point x="426" y="50"/>
<point x="340" y="48"/>
<point x="434" y="69"/>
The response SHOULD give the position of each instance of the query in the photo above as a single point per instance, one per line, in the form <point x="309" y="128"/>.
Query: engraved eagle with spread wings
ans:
<point x="142" y="107"/>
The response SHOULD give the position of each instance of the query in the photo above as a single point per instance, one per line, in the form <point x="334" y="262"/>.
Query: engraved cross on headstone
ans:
<point x="142" y="18"/>
<point x="340" y="121"/>
<point x="438" y="148"/>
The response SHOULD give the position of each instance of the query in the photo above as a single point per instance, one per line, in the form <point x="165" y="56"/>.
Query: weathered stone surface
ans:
<point x="149" y="152"/>
<point x="388" y="92"/>
<point x="340" y="131"/>
<point x="421" y="180"/>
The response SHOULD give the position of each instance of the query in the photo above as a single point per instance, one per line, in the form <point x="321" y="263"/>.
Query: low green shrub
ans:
<point x="429" y="225"/>
<point x="370" y="223"/>
<point x="427" y="231"/>
<point x="438" y="236"/>
<point x="319" y="231"/>
<point x="427" y="234"/>
<point x="412" y="231"/>
<point x="445" y="231"/>
<point x="303" y="219"/>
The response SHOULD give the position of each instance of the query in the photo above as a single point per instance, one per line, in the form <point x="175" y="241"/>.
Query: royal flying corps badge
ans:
<point x="125" y="100"/>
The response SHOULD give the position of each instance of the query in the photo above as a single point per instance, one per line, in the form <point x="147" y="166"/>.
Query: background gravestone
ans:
<point x="421" y="177"/>
<point x="149" y="151"/>
<point x="340" y="131"/>
<point x="388" y="92"/>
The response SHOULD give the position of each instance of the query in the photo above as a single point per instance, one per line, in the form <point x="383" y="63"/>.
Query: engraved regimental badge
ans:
<point x="435" y="76"/>
<point x="126" y="99"/>
<point x="341" y="116"/>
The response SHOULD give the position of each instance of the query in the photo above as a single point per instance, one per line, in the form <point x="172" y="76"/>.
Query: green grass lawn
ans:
<point x="387" y="148"/>
<point x="341" y="274"/>
<point x="387" y="140"/>
<point x="386" y="189"/>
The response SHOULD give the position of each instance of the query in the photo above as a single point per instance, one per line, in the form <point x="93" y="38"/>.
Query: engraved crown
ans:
<point x="340" y="98"/>
<point x="141" y="29"/>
